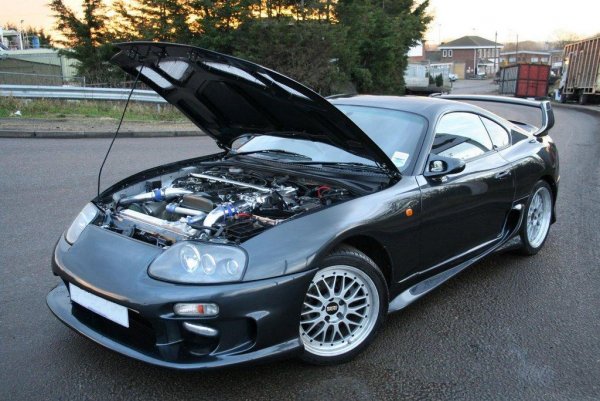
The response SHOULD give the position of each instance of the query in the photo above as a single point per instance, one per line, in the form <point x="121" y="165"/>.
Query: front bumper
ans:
<point x="257" y="320"/>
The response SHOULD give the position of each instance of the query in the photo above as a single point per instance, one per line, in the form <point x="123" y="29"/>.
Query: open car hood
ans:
<point x="228" y="97"/>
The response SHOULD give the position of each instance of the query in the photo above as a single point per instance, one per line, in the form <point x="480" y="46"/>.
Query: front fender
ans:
<point x="300" y="243"/>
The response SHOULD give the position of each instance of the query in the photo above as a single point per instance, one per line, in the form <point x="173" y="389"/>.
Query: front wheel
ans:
<point x="344" y="306"/>
<point x="537" y="219"/>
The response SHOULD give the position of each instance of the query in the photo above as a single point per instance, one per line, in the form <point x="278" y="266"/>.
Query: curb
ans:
<point x="584" y="109"/>
<point x="88" y="134"/>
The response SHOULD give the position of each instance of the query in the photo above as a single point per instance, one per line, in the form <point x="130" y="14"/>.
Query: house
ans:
<point x="471" y="56"/>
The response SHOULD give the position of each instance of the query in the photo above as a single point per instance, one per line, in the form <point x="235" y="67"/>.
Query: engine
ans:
<point x="220" y="204"/>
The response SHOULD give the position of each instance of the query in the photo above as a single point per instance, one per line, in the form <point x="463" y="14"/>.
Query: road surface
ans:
<point x="509" y="328"/>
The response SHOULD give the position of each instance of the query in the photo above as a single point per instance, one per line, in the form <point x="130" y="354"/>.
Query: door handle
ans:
<point x="502" y="174"/>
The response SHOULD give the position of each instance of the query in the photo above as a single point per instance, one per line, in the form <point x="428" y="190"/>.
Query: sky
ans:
<point x="538" y="20"/>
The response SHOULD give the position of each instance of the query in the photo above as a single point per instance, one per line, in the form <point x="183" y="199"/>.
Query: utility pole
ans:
<point x="517" y="50"/>
<point x="495" y="52"/>
<point x="21" y="36"/>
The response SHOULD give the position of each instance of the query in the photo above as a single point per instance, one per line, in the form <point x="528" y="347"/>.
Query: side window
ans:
<point x="498" y="134"/>
<point x="462" y="136"/>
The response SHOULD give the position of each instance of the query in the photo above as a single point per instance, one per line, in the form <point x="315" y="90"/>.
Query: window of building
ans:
<point x="462" y="136"/>
<point x="535" y="59"/>
<point x="444" y="53"/>
<point x="449" y="53"/>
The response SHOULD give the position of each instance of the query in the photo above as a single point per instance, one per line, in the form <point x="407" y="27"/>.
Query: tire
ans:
<point x="343" y="309"/>
<point x="563" y="98"/>
<point x="536" y="219"/>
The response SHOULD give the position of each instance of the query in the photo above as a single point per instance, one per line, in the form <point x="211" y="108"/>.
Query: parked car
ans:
<point x="318" y="218"/>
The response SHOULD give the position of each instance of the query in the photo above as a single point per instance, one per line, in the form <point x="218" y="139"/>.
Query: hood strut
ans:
<point x="137" y="77"/>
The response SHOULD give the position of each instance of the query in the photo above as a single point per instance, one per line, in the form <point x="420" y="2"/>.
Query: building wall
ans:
<point x="464" y="56"/>
<point x="532" y="58"/>
<point x="22" y="72"/>
<point x="41" y="62"/>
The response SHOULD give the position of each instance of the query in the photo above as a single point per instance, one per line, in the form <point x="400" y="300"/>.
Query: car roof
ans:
<point x="429" y="107"/>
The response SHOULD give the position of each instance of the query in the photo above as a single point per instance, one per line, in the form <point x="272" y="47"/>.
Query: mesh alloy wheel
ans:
<point x="537" y="219"/>
<point x="539" y="215"/>
<point x="340" y="310"/>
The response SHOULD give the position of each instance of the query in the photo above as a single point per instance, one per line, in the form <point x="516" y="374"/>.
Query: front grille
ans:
<point x="140" y="334"/>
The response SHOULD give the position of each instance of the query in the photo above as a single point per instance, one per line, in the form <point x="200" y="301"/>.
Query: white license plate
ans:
<point x="101" y="306"/>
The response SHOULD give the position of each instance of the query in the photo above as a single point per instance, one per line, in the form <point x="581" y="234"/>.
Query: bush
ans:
<point x="439" y="80"/>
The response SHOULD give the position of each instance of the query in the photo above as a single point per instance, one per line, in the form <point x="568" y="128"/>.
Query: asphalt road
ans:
<point x="509" y="328"/>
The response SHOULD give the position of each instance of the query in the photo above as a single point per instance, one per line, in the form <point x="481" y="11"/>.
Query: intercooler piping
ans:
<point x="174" y="208"/>
<point x="157" y="195"/>
<point x="221" y="212"/>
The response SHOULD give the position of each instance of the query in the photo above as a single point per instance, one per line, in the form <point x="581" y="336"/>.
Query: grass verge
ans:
<point x="52" y="108"/>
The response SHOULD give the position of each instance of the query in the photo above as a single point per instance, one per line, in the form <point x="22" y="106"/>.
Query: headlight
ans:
<point x="199" y="263"/>
<point x="89" y="212"/>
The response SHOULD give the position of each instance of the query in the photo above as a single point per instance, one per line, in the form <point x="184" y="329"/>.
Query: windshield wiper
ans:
<point x="290" y="155"/>
<point x="356" y="166"/>
<point x="348" y="165"/>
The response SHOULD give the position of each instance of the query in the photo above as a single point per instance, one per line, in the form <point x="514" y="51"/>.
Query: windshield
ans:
<point x="397" y="133"/>
<point x="292" y="148"/>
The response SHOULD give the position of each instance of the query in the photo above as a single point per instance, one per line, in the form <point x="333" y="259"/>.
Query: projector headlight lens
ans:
<point x="199" y="263"/>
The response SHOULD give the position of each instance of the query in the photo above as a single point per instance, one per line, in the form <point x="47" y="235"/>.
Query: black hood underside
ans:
<point x="228" y="97"/>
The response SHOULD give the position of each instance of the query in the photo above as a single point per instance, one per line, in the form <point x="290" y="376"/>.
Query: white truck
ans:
<point x="581" y="74"/>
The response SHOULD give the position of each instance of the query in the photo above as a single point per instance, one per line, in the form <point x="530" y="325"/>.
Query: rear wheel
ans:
<point x="537" y="219"/>
<point x="344" y="306"/>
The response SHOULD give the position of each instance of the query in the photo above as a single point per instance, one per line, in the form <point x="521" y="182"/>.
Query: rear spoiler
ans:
<point x="544" y="105"/>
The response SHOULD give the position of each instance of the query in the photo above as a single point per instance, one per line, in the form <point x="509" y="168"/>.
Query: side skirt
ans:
<point x="415" y="292"/>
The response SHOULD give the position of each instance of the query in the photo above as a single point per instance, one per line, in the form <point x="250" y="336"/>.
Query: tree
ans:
<point x="217" y="20"/>
<point x="44" y="38"/>
<point x="162" y="20"/>
<point x="86" y="38"/>
<point x="379" y="35"/>
<point x="562" y="38"/>
<point x="326" y="44"/>
<point x="303" y="50"/>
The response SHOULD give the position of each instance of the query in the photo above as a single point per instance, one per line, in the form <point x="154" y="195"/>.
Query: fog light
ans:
<point x="196" y="309"/>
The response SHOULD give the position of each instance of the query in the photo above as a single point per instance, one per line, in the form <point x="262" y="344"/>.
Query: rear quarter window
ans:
<point x="498" y="134"/>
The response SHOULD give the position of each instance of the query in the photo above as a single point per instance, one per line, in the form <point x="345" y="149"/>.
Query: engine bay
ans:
<point x="223" y="203"/>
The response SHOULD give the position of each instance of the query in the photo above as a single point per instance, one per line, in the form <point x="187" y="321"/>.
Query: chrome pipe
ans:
<point x="173" y="208"/>
<point x="154" y="196"/>
<point x="232" y="182"/>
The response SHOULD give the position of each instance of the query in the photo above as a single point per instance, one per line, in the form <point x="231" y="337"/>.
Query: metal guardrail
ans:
<point x="79" y="93"/>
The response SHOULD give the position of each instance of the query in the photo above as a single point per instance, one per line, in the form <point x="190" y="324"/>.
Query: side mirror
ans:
<point x="438" y="166"/>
